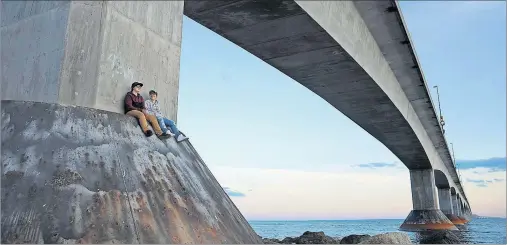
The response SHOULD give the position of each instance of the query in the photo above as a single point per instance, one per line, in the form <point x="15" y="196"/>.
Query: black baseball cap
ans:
<point x="135" y="84"/>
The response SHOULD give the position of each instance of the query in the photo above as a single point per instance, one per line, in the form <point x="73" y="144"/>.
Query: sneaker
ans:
<point x="164" y="136"/>
<point x="170" y="133"/>
<point x="148" y="133"/>
<point x="181" y="137"/>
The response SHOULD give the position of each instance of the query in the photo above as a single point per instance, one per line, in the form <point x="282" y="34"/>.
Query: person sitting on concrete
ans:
<point x="153" y="108"/>
<point x="134" y="106"/>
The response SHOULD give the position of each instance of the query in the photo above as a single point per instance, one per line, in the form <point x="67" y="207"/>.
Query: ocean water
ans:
<point x="484" y="230"/>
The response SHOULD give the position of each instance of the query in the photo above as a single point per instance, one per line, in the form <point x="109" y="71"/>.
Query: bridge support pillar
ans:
<point x="445" y="202"/>
<point x="456" y="208"/>
<point x="463" y="214"/>
<point x="88" y="53"/>
<point x="425" y="214"/>
<point x="455" y="205"/>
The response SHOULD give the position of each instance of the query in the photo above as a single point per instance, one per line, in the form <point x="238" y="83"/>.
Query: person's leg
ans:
<point x="154" y="124"/>
<point x="162" y="125"/>
<point x="142" y="121"/>
<point x="179" y="136"/>
<point x="172" y="126"/>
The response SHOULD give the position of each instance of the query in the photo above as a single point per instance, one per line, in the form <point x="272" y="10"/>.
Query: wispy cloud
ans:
<point x="496" y="164"/>
<point x="476" y="180"/>
<point x="479" y="182"/>
<point x="483" y="182"/>
<point x="233" y="193"/>
<point x="376" y="165"/>
<point x="482" y="185"/>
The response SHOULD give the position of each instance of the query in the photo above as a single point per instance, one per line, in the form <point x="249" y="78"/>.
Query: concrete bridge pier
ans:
<point x="74" y="168"/>
<point x="445" y="202"/>
<point x="425" y="214"/>
<point x="457" y="208"/>
<point x="88" y="53"/>
<point x="463" y="214"/>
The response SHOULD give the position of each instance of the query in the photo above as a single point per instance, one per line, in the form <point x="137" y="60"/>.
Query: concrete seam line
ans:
<point x="130" y="204"/>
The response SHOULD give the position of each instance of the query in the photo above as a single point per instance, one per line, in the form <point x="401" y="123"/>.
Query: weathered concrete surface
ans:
<point x="427" y="220"/>
<point x="445" y="203"/>
<point x="422" y="183"/>
<point x="463" y="215"/>
<point x="80" y="175"/>
<point x="425" y="214"/>
<point x="32" y="47"/>
<point x="456" y="211"/>
<point x="342" y="51"/>
<point x="444" y="200"/>
<point x="87" y="53"/>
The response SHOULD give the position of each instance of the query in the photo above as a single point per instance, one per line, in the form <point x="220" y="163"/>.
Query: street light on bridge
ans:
<point x="442" y="123"/>
<point x="453" y="157"/>
<point x="456" y="166"/>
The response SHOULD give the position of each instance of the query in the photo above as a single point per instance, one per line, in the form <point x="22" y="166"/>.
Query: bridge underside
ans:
<point x="283" y="35"/>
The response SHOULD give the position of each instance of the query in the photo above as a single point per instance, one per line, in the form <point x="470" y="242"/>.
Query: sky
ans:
<point x="283" y="153"/>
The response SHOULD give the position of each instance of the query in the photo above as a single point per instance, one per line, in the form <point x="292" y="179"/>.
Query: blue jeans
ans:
<point x="164" y="123"/>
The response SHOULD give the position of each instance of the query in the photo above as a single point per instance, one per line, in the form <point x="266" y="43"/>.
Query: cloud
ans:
<point x="480" y="182"/>
<point x="483" y="183"/>
<point x="233" y="193"/>
<point x="376" y="165"/>
<point x="285" y="194"/>
<point x="476" y="181"/>
<point x="496" y="164"/>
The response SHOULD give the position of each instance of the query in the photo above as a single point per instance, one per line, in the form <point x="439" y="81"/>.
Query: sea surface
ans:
<point x="479" y="230"/>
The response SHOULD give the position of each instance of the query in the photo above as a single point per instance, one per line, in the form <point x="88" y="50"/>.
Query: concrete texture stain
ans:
<point x="423" y="220"/>
<point x="80" y="175"/>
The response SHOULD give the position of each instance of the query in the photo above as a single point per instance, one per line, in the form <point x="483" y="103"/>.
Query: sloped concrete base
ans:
<point x="80" y="175"/>
<point x="455" y="219"/>
<point x="426" y="220"/>
<point x="464" y="219"/>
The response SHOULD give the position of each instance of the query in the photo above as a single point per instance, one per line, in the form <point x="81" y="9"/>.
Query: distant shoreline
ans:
<point x="320" y="220"/>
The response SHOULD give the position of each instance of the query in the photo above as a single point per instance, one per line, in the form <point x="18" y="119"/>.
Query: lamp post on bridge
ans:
<point x="442" y="123"/>
<point x="454" y="161"/>
<point x="456" y="166"/>
<point x="453" y="157"/>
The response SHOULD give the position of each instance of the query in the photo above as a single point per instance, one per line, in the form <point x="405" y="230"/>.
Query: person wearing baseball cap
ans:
<point x="134" y="106"/>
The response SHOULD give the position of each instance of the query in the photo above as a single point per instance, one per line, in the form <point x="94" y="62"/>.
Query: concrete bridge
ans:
<point x="357" y="56"/>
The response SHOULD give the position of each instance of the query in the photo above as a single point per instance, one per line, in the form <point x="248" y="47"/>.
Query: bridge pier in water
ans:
<point x="425" y="214"/>
<point x="446" y="205"/>
<point x="463" y="212"/>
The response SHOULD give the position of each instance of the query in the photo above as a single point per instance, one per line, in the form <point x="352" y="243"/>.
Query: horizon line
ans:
<point x="303" y="220"/>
